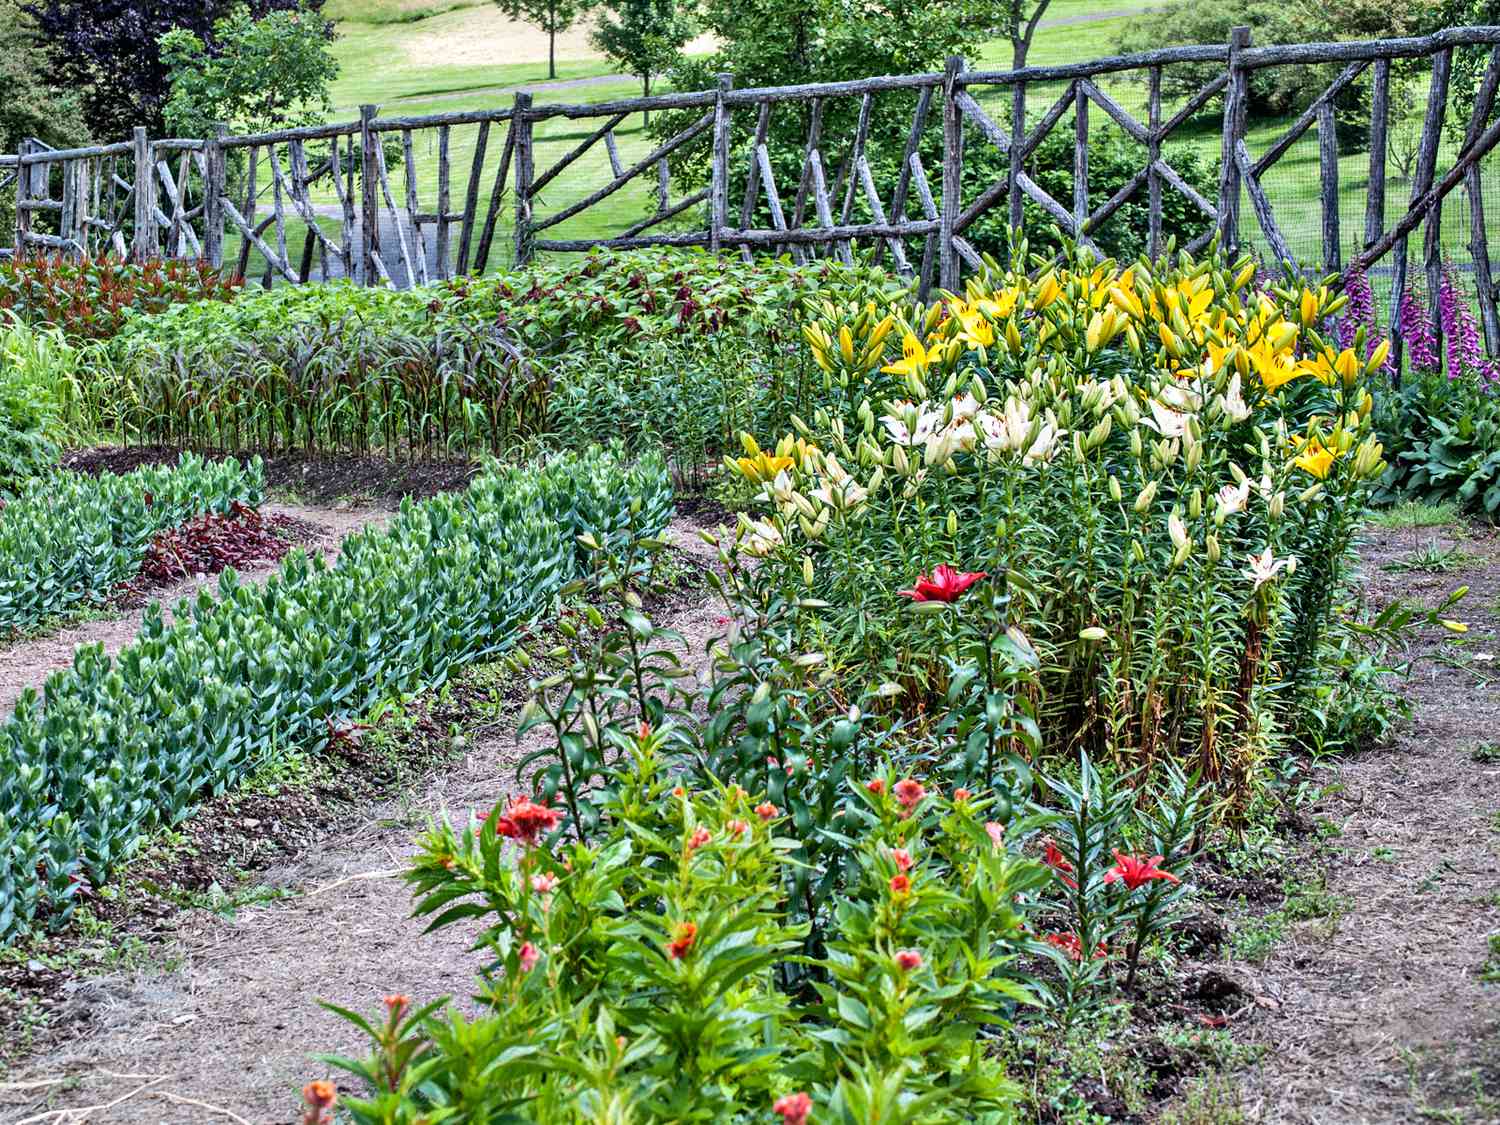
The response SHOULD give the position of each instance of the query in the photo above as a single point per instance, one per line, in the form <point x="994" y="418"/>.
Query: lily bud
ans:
<point x="1277" y="505"/>
<point x="1114" y="488"/>
<point x="1177" y="531"/>
<point x="1213" y="547"/>
<point x="807" y="570"/>
<point x="1145" y="496"/>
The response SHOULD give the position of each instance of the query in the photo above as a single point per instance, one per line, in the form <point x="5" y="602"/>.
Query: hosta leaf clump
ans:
<point x="116" y="748"/>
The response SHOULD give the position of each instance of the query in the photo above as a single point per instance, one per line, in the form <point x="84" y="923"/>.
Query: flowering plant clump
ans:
<point x="1157" y="471"/>
<point x="1441" y="420"/>
<point x="649" y="977"/>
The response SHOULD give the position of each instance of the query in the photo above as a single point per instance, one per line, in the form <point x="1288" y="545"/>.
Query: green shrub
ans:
<point x="116" y="748"/>
<point x="67" y="539"/>
<point x="36" y="371"/>
<point x="1444" y="439"/>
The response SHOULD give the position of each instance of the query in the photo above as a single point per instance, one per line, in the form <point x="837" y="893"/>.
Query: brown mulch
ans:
<point x="315" y="480"/>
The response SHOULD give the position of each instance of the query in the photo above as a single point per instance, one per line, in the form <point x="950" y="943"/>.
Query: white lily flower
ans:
<point x="1233" y="498"/>
<point x="1232" y="402"/>
<point x="1264" y="567"/>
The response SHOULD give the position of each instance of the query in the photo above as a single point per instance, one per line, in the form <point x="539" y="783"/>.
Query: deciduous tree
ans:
<point x="551" y="16"/>
<point x="108" y="52"/>
<point x="644" y="37"/>
<point x="264" y="74"/>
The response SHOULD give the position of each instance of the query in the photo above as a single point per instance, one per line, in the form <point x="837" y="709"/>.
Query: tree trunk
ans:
<point x="552" y="51"/>
<point x="646" y="93"/>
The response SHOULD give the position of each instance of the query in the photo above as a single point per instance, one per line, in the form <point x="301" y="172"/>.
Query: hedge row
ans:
<point x="67" y="539"/>
<point x="115" y="750"/>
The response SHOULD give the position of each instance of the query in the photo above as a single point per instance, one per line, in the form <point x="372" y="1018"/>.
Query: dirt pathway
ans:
<point x="233" y="1026"/>
<point x="1382" y="1015"/>
<point x="29" y="663"/>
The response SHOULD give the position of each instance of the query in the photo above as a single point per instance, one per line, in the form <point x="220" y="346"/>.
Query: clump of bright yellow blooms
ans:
<point x="1173" y="454"/>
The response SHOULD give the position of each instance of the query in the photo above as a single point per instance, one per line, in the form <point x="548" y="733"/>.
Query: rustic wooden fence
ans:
<point x="336" y="186"/>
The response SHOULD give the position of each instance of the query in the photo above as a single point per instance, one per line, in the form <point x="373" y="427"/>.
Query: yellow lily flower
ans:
<point x="1315" y="458"/>
<point x="762" y="467"/>
<point x="914" y="357"/>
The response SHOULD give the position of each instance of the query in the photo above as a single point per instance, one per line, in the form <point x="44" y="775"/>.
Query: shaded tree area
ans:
<point x="108" y="51"/>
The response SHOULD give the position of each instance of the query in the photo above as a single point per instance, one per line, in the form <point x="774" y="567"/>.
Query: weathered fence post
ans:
<point x="369" y="203"/>
<point x="1427" y="156"/>
<point x="525" y="171"/>
<point x="1080" y="161"/>
<point x="1017" y="132"/>
<point x="1153" y="154"/>
<point x="1328" y="169"/>
<point x="23" y="194"/>
<point x="718" y="218"/>
<point x="1484" y="280"/>
<point x="144" y="245"/>
<point x="1236" y="94"/>
<point x="213" y="196"/>
<point x="953" y="164"/>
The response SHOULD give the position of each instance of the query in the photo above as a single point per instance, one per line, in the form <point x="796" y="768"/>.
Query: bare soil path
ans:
<point x="28" y="663"/>
<point x="234" y="1025"/>
<point x="1386" y="1018"/>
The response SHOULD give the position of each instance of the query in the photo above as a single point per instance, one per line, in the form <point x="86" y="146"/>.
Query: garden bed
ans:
<point x="222" y="1004"/>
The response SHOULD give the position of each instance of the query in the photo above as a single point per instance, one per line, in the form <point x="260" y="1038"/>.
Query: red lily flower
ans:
<point x="525" y="820"/>
<point x="1054" y="859"/>
<point x="529" y="955"/>
<point x="877" y="786"/>
<point x="910" y="793"/>
<point x="945" y="585"/>
<point x="794" y="1108"/>
<point x="1068" y="942"/>
<point x="900" y="884"/>
<point x="765" y="810"/>
<point x="682" y="940"/>
<point x="902" y="859"/>
<point x="1136" y="871"/>
<point x="908" y="959"/>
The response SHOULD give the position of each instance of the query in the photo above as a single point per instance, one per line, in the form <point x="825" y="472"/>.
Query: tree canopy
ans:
<point x="109" y="52"/>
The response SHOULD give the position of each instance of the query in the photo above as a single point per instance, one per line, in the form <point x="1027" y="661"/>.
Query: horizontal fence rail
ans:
<point x="405" y="201"/>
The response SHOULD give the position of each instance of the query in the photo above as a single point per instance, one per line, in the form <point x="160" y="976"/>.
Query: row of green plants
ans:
<point x="94" y="298"/>
<point x="691" y="347"/>
<point x="113" y="749"/>
<point x="67" y="539"/>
